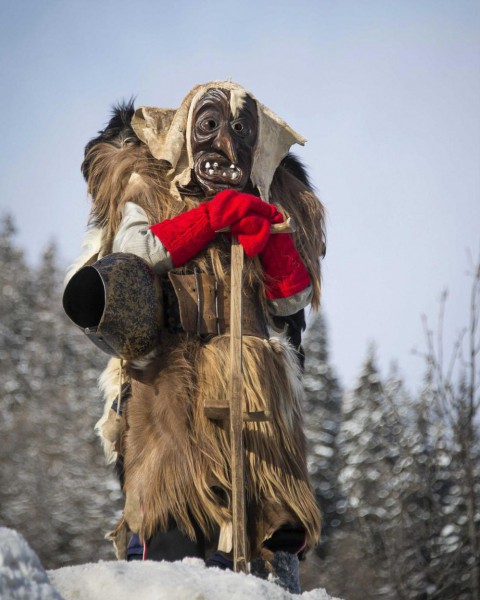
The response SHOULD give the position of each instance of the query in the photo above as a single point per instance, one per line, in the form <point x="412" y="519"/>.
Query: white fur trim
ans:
<point x="225" y="539"/>
<point x="91" y="245"/>
<point x="108" y="383"/>
<point x="282" y="307"/>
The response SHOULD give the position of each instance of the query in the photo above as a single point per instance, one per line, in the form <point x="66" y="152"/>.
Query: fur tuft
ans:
<point x="109" y="385"/>
<point x="118" y="132"/>
<point x="295" y="167"/>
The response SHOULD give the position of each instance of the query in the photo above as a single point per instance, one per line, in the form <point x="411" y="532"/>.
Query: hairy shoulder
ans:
<point x="119" y="168"/>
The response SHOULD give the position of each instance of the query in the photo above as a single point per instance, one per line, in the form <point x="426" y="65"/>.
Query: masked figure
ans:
<point x="164" y="184"/>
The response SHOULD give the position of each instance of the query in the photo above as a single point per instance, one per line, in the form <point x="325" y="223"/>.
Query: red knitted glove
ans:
<point x="229" y="206"/>
<point x="253" y="232"/>
<point x="285" y="273"/>
<point x="187" y="234"/>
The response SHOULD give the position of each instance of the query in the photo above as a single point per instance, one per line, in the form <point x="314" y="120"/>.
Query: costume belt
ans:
<point x="204" y="306"/>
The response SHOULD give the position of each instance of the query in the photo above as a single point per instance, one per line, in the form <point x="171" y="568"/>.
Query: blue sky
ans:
<point x="386" y="92"/>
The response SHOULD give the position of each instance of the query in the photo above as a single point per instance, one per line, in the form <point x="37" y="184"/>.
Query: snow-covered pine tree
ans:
<point x="405" y="499"/>
<point x="449" y="409"/>
<point x="370" y="447"/>
<point x="55" y="487"/>
<point x="436" y="510"/>
<point x="16" y="322"/>
<point x="323" y="412"/>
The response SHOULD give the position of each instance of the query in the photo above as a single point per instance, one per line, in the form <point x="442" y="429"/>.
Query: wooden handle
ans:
<point x="288" y="226"/>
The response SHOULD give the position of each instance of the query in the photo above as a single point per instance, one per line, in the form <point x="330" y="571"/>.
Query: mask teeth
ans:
<point x="214" y="169"/>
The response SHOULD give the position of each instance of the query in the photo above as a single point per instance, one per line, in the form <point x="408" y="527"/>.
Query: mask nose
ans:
<point x="223" y="143"/>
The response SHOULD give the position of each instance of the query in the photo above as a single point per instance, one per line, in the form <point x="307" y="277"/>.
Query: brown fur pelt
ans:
<point x="177" y="460"/>
<point x="110" y="184"/>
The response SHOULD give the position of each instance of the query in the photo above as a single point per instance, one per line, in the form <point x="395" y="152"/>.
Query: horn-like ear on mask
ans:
<point x="275" y="137"/>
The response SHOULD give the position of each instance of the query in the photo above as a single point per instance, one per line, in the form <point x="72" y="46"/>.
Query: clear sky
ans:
<point x="386" y="92"/>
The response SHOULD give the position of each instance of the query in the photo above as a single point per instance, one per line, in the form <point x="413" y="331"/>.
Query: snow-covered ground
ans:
<point x="22" y="577"/>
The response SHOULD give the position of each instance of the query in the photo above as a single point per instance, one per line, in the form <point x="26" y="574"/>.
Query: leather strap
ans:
<point x="204" y="305"/>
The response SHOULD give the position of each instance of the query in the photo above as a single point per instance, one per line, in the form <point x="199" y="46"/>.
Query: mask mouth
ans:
<point x="217" y="169"/>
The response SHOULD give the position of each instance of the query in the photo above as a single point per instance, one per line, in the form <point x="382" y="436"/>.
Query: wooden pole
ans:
<point x="236" y="401"/>
<point x="236" y="411"/>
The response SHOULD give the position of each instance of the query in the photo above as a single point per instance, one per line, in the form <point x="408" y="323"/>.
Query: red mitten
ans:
<point x="285" y="273"/>
<point x="229" y="206"/>
<point x="185" y="235"/>
<point x="253" y="232"/>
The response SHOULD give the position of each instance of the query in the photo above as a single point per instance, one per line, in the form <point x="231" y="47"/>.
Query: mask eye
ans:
<point x="240" y="128"/>
<point x="208" y="125"/>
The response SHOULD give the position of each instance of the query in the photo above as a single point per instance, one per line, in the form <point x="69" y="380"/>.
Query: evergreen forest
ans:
<point x="396" y="473"/>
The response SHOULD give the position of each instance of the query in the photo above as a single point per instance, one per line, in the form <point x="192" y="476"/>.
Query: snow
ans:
<point x="22" y="577"/>
<point x="448" y="530"/>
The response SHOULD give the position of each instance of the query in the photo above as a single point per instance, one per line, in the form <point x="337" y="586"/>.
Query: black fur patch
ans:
<point x="118" y="131"/>
<point x="293" y="326"/>
<point x="294" y="166"/>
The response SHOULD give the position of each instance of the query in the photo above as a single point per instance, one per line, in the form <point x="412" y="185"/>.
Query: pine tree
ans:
<point x="322" y="410"/>
<point x="448" y="422"/>
<point x="55" y="488"/>
<point x="370" y="448"/>
<point x="16" y="322"/>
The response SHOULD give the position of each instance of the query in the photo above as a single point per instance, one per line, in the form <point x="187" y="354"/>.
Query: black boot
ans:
<point x="220" y="560"/>
<point x="287" y="544"/>
<point x="173" y="545"/>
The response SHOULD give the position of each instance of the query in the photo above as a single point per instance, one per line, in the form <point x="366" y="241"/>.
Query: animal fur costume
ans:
<point x="175" y="459"/>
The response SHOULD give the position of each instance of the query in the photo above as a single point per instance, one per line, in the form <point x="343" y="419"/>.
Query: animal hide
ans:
<point x="176" y="461"/>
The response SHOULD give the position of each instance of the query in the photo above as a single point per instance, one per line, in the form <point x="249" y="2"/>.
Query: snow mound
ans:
<point x="22" y="576"/>
<point x="189" y="579"/>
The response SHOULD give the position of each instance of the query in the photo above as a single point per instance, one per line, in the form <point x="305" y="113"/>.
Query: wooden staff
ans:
<point x="236" y="404"/>
<point x="236" y="411"/>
